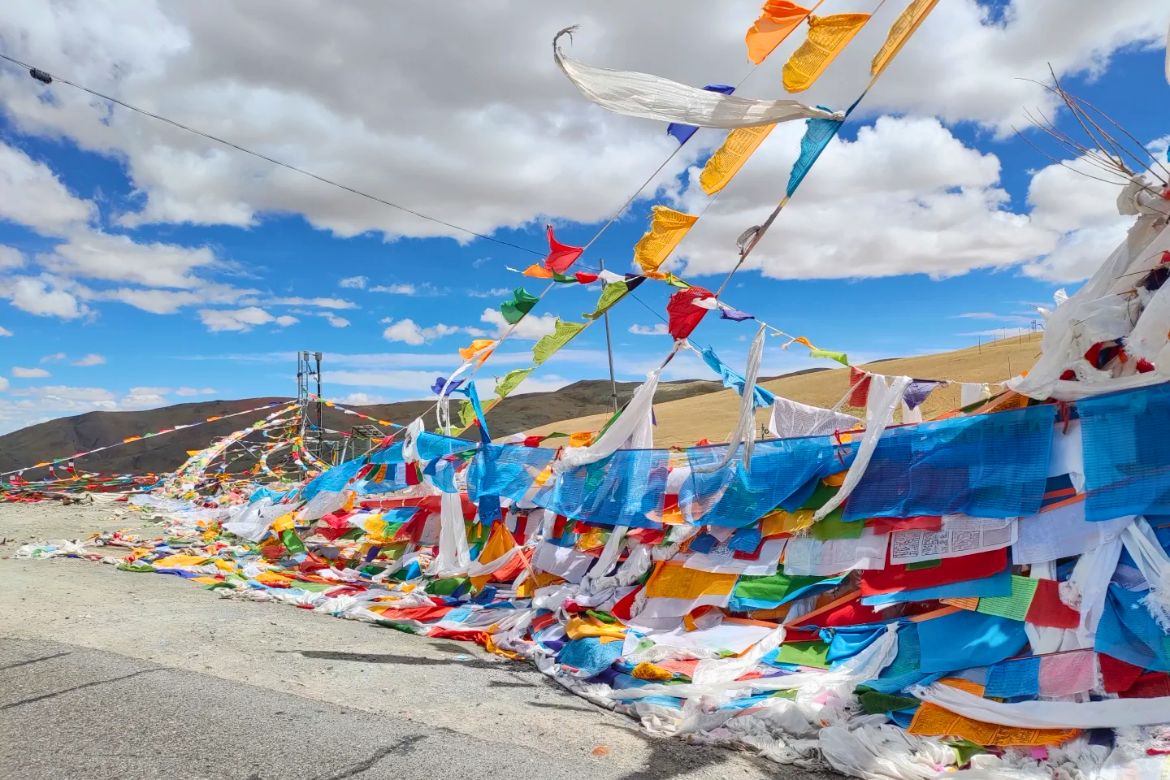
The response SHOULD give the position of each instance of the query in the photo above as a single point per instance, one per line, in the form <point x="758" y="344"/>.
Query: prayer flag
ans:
<point x="730" y="157"/>
<point x="733" y="380"/>
<point x="610" y="294"/>
<point x="683" y="132"/>
<point x="682" y="313"/>
<point x="827" y="37"/>
<point x="840" y="357"/>
<point x="481" y="347"/>
<point x="778" y="19"/>
<point x="859" y="381"/>
<point x="563" y="333"/>
<point x="817" y="135"/>
<point x="667" y="229"/>
<point x="918" y="391"/>
<point x="903" y="27"/>
<point x="560" y="256"/>
<point x="521" y="303"/>
<point x="538" y="271"/>
<point x="512" y="380"/>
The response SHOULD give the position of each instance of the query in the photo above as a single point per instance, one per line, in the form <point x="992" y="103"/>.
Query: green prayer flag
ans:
<point x="815" y="654"/>
<point x="610" y="294"/>
<point x="840" y="357"/>
<point x="1015" y="606"/>
<point x="467" y="414"/>
<point x="563" y="333"/>
<point x="833" y="526"/>
<point x="773" y="588"/>
<point x="512" y="380"/>
<point x="521" y="303"/>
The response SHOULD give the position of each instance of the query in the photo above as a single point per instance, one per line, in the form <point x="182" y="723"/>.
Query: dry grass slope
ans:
<point x="713" y="415"/>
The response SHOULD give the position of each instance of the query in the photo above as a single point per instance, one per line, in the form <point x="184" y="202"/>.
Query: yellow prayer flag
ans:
<point x="778" y="19"/>
<point x="903" y="27"/>
<point x="739" y="145"/>
<point x="667" y="229"/>
<point x="827" y="37"/>
<point x="580" y="439"/>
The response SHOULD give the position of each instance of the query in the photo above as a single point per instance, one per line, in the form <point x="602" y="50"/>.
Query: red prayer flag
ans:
<point x="584" y="278"/>
<point x="895" y="578"/>
<point x="1117" y="675"/>
<point x="684" y="316"/>
<point x="859" y="381"/>
<point x="560" y="256"/>
<point x="1048" y="610"/>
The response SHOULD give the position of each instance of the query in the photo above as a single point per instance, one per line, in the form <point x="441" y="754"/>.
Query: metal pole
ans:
<point x="320" y="407"/>
<point x="609" y="350"/>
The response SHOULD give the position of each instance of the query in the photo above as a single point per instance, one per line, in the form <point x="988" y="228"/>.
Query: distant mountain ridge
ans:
<point x="66" y="435"/>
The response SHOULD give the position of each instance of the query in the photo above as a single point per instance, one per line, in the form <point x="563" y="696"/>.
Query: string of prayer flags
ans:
<point x="827" y="37"/>
<point x="521" y="303"/>
<point x="667" y="228"/>
<point x="730" y="157"/>
<point x="904" y="26"/>
<point x="682" y="133"/>
<point x="1035" y="601"/>
<point x="563" y="333"/>
<point x="778" y="18"/>
<point x="560" y="256"/>
<point x="817" y="135"/>
<point x="683" y="313"/>
<point x="733" y="380"/>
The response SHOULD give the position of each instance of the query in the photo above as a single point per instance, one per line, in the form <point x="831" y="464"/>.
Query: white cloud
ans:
<point x="241" y="319"/>
<point x="5" y="331"/>
<point x="532" y="327"/>
<point x="29" y="373"/>
<point x="408" y="331"/>
<point x="417" y="382"/>
<point x="335" y="321"/>
<point x="56" y="357"/>
<point x="3" y="383"/>
<point x="362" y="399"/>
<point x="44" y="296"/>
<point x="395" y="289"/>
<point x="32" y="195"/>
<point x="92" y="254"/>
<point x="92" y="359"/>
<point x="187" y="392"/>
<point x="658" y="329"/>
<point x="10" y="258"/>
<point x="501" y="100"/>
<point x="144" y="398"/>
<point x="321" y="303"/>
<point x="354" y="282"/>
<point x="495" y="292"/>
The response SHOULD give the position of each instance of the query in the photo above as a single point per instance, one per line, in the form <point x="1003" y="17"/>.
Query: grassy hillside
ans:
<point x="713" y="415"/>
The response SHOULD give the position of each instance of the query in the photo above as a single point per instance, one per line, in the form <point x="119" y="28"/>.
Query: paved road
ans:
<point x="109" y="674"/>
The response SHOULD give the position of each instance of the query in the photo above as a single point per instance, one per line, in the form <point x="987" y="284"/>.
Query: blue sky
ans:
<point x="140" y="267"/>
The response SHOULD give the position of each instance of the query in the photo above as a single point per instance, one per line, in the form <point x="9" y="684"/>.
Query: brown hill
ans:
<point x="713" y="416"/>
<point x="66" y="435"/>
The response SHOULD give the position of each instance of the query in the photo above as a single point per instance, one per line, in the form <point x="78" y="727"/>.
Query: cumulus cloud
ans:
<point x="362" y="399"/>
<point x="29" y="373"/>
<point x="501" y="99"/>
<point x="5" y="331"/>
<point x="408" y="331"/>
<point x="241" y="319"/>
<point x="56" y="357"/>
<point x="354" y="282"/>
<point x="44" y="296"/>
<point x="10" y="258"/>
<point x="187" y="392"/>
<point x="92" y="359"/>
<point x="658" y="329"/>
<point x="532" y="327"/>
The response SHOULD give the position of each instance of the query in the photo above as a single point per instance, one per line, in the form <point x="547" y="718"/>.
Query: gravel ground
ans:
<point x="109" y="674"/>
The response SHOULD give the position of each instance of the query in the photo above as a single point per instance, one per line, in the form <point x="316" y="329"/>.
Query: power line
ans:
<point x="46" y="78"/>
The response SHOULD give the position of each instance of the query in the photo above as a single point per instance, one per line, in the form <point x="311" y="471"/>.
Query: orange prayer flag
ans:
<point x="778" y="19"/>
<point x="476" y="347"/>
<point x="538" y="271"/>
<point x="903" y="27"/>
<point x="827" y="37"/>
<point x="739" y="145"/>
<point x="667" y="228"/>
<point x="581" y="439"/>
